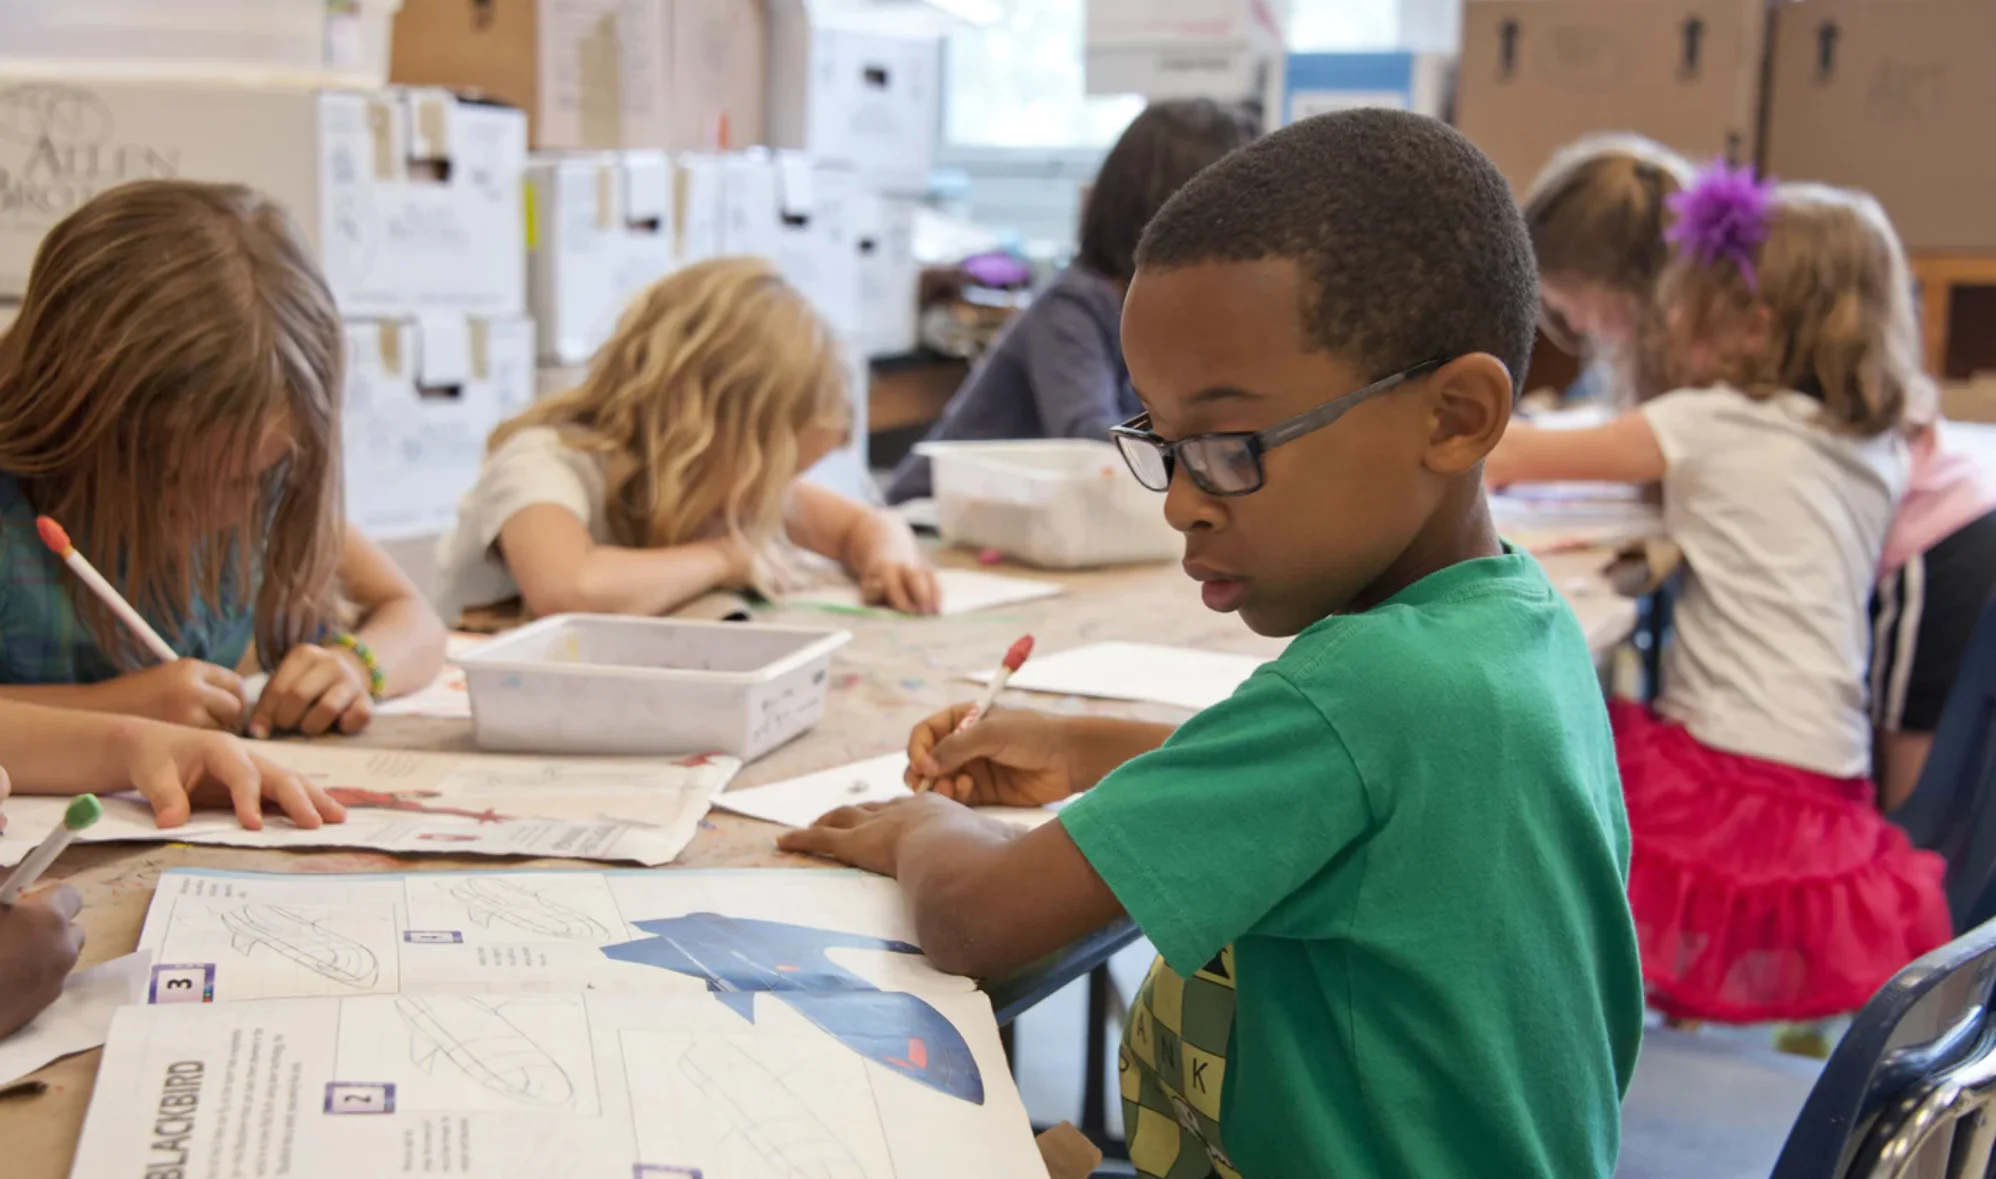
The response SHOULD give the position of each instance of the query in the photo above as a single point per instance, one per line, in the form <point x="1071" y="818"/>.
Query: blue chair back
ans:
<point x="1953" y="808"/>
<point x="1915" y="1068"/>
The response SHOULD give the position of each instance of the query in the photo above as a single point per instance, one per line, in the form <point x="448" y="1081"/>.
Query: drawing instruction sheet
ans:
<point x="683" y="1025"/>
<point x="640" y="810"/>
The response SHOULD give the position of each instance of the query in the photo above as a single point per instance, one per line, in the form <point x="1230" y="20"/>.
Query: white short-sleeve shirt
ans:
<point x="1782" y="522"/>
<point x="534" y="467"/>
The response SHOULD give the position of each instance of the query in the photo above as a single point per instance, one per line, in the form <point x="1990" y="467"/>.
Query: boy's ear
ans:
<point x="1470" y="401"/>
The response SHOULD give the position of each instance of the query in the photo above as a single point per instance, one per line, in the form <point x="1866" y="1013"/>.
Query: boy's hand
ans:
<point x="314" y="690"/>
<point x="184" y="692"/>
<point x="39" y="942"/>
<point x="1011" y="757"/>
<point x="908" y="586"/>
<point x="866" y="836"/>
<point x="179" y="769"/>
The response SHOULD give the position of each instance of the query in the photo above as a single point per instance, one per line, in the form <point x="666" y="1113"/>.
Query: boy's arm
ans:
<point x="1197" y="841"/>
<point x="987" y="898"/>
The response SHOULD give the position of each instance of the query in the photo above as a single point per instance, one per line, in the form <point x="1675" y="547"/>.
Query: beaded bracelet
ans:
<point x="377" y="681"/>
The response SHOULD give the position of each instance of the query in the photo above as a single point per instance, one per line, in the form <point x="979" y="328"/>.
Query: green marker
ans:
<point x="81" y="813"/>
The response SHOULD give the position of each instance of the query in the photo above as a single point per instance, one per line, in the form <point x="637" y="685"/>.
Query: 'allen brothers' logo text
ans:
<point x="58" y="149"/>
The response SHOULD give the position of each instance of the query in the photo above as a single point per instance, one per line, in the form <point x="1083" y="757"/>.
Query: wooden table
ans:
<point x="893" y="673"/>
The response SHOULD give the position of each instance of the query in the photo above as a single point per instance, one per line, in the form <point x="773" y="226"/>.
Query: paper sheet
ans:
<point x="79" y="1020"/>
<point x="642" y="810"/>
<point x="798" y="802"/>
<point x="1136" y="671"/>
<point x="621" y="1025"/>
<point x="964" y="591"/>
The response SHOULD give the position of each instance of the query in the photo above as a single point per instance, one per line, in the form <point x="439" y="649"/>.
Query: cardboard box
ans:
<point x="321" y="42"/>
<point x="1972" y="400"/>
<point x="675" y="74"/>
<point x="889" y="277"/>
<point x="1223" y="49"/>
<point x="1538" y="74"/>
<point x="1318" y="83"/>
<point x="855" y="93"/>
<point x="411" y="198"/>
<point x="599" y="230"/>
<point x="717" y="54"/>
<point x="1894" y="97"/>
<point x="422" y="397"/>
<point x="750" y="222"/>
<point x="801" y="214"/>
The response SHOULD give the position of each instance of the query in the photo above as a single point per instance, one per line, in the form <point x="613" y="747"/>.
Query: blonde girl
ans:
<point x="672" y="470"/>
<point x="1765" y="884"/>
<point x="1597" y="217"/>
<point x="170" y="394"/>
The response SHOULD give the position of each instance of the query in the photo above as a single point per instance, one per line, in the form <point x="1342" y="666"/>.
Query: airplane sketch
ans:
<point x="771" y="1118"/>
<point x="475" y="1035"/>
<point x="489" y="898"/>
<point x="741" y="957"/>
<point x="354" y="797"/>
<point x="309" y="943"/>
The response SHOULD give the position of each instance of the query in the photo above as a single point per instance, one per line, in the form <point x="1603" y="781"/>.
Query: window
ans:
<point x="1018" y="83"/>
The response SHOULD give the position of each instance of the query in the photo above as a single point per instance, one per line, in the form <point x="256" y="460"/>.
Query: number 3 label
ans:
<point x="182" y="983"/>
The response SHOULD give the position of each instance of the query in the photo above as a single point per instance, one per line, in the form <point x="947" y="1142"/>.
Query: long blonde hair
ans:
<point x="696" y="402"/>
<point x="1837" y="294"/>
<point x="168" y="328"/>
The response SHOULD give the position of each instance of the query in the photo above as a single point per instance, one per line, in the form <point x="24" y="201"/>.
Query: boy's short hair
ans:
<point x="1407" y="237"/>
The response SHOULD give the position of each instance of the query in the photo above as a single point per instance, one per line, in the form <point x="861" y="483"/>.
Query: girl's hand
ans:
<point x="179" y="769"/>
<point x="906" y="585"/>
<point x="1500" y="466"/>
<point x="1012" y="757"/>
<point x="184" y="692"/>
<point x="39" y="942"/>
<point x="312" y="691"/>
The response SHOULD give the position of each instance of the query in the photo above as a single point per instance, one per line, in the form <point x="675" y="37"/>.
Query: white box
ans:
<point x="599" y="230"/>
<point x="1319" y="83"/>
<point x="1221" y="49"/>
<point x="816" y="251"/>
<point x="889" y="277"/>
<point x="750" y="195"/>
<point x="1062" y="503"/>
<point x="858" y="93"/>
<point x="585" y="683"/>
<point x="699" y="195"/>
<point x="422" y="397"/>
<point x="410" y="198"/>
<point x="325" y="42"/>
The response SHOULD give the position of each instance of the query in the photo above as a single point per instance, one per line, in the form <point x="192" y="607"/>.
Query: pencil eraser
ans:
<point x="1016" y="657"/>
<point x="83" y="812"/>
<point x="53" y="536"/>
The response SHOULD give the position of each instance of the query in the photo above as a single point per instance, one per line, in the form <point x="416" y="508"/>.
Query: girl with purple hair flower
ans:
<point x="1765" y="883"/>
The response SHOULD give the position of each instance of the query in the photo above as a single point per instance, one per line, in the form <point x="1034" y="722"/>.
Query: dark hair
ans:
<point x="1410" y="246"/>
<point x="1162" y="149"/>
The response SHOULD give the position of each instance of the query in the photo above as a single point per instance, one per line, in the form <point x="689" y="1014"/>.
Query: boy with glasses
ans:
<point x="1387" y="876"/>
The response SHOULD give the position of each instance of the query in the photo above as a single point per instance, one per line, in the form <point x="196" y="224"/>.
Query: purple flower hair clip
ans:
<point x="1723" y="216"/>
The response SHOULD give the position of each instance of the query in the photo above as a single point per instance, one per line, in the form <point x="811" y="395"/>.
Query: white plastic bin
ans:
<point x="589" y="683"/>
<point x="332" y="42"/>
<point x="1059" y="503"/>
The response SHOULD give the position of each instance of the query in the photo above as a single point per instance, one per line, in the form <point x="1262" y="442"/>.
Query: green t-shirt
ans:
<point x="1402" y="846"/>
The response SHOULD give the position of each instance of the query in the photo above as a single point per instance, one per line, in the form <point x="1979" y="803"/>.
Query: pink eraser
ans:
<point x="53" y="536"/>
<point x="990" y="557"/>
<point x="1016" y="657"/>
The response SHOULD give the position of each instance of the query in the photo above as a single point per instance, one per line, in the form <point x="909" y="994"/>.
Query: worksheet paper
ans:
<point x="1136" y="671"/>
<point x="798" y="802"/>
<point x="621" y="1025"/>
<point x="79" y="1020"/>
<point x="641" y="810"/>
<point x="965" y="591"/>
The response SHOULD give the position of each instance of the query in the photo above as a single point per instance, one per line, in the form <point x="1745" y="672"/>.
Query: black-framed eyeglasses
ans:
<point x="1230" y="464"/>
